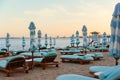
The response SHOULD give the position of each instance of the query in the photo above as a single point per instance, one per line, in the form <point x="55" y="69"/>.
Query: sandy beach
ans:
<point x="88" y="25"/>
<point x="51" y="72"/>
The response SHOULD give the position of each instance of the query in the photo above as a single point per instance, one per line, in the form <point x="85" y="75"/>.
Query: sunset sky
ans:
<point x="55" y="17"/>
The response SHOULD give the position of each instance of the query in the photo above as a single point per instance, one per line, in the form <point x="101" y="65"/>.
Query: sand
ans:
<point x="51" y="72"/>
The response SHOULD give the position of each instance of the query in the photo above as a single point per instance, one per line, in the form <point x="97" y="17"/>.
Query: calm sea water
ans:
<point x="16" y="44"/>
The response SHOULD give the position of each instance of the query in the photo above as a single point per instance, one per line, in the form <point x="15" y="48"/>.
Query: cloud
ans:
<point x="43" y="12"/>
<point x="67" y="12"/>
<point x="54" y="11"/>
<point x="93" y="8"/>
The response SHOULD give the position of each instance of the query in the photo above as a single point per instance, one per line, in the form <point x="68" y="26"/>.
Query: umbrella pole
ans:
<point x="8" y="51"/>
<point x="85" y="51"/>
<point x="23" y="48"/>
<point x="39" y="49"/>
<point x="77" y="46"/>
<point x="32" y="59"/>
<point x="116" y="61"/>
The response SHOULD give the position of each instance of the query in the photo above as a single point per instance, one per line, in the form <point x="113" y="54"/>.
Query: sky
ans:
<point x="55" y="17"/>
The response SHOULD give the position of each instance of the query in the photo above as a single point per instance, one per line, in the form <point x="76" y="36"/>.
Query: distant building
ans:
<point x="94" y="32"/>
<point x="57" y="36"/>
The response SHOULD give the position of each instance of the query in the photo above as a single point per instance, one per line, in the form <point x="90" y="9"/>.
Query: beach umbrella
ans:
<point x="114" y="50"/>
<point x="23" y="42"/>
<point x="72" y="40"/>
<point x="104" y="39"/>
<point x="84" y="31"/>
<point x="77" y="38"/>
<point x="54" y="40"/>
<point x="32" y="34"/>
<point x="50" y="42"/>
<point x="7" y="41"/>
<point x="32" y="39"/>
<point x="95" y="42"/>
<point x="39" y="39"/>
<point x="46" y="42"/>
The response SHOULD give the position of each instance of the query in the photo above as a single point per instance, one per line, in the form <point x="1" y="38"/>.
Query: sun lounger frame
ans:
<point x="15" y="65"/>
<point x="75" y="60"/>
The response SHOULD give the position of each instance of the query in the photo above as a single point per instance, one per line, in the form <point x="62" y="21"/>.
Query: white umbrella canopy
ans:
<point x="7" y="41"/>
<point x="114" y="50"/>
<point x="104" y="39"/>
<point x="50" y="42"/>
<point x="32" y="28"/>
<point x="95" y="41"/>
<point x="77" y="38"/>
<point x="39" y="39"/>
<point x="54" y="40"/>
<point x="23" y="42"/>
<point x="46" y="42"/>
<point x="84" y="31"/>
<point x="72" y="40"/>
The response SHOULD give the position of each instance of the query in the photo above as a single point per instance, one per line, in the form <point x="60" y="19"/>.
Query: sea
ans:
<point x="16" y="43"/>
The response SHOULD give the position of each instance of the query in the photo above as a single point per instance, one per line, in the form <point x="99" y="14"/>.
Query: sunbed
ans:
<point x="48" y="58"/>
<point x="77" y="58"/>
<point x="111" y="74"/>
<point x="91" y="48"/>
<point x="96" y="56"/>
<point x="97" y="70"/>
<point x="28" y="55"/>
<point x="71" y="51"/>
<point x="13" y="64"/>
<point x="102" y="48"/>
<point x="3" y="52"/>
